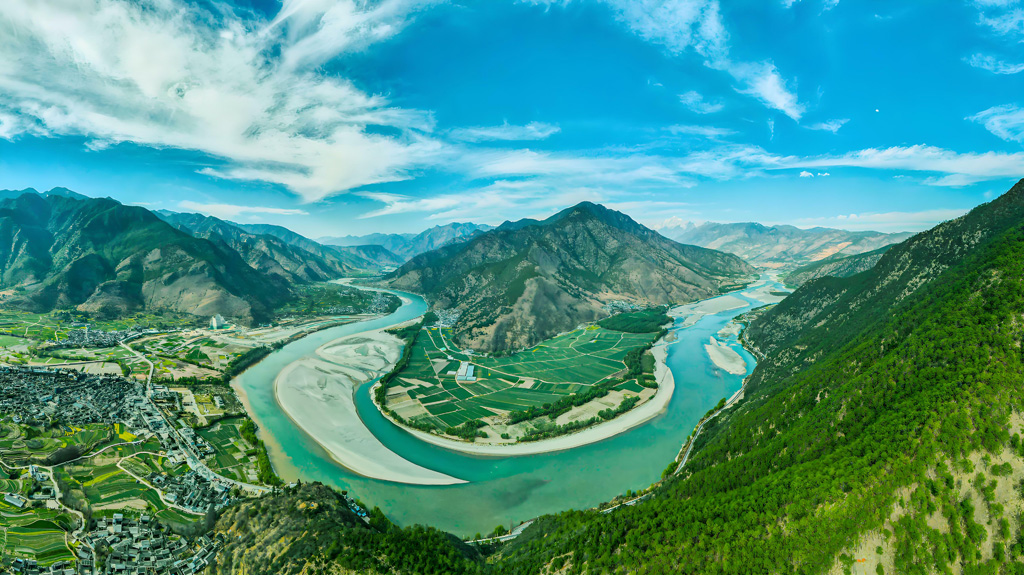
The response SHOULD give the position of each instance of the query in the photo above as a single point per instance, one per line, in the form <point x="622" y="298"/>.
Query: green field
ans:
<point x="34" y="534"/>
<point x="234" y="454"/>
<point x="559" y="367"/>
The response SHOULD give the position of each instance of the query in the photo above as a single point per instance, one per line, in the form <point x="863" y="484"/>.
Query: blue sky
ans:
<point x="340" y="116"/>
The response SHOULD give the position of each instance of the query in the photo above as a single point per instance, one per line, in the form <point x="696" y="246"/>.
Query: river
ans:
<point x="502" y="490"/>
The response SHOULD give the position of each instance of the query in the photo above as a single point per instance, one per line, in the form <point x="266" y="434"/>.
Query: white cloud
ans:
<point x="806" y="174"/>
<point x="168" y="74"/>
<point x="990" y="63"/>
<point x="709" y="132"/>
<point x="684" y="25"/>
<point x="829" y="126"/>
<point x="763" y="81"/>
<point x="696" y="103"/>
<point x="506" y="131"/>
<point x="1003" y="17"/>
<point x="885" y="222"/>
<point x="1006" y="122"/>
<point x="949" y="168"/>
<point x="227" y="211"/>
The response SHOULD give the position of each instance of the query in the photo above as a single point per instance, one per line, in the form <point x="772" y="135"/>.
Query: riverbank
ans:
<point x="632" y="418"/>
<point x="316" y="392"/>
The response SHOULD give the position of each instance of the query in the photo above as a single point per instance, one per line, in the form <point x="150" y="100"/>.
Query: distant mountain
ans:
<point x="11" y="194"/>
<point x="835" y="266"/>
<point x="357" y="257"/>
<point x="264" y="252"/>
<point x="779" y="247"/>
<point x="410" y="245"/>
<point x="529" y="280"/>
<point x="59" y="251"/>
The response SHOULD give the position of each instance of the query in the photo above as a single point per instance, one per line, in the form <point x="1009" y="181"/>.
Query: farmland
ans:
<point x="427" y="392"/>
<point x="235" y="458"/>
<point x="34" y="534"/>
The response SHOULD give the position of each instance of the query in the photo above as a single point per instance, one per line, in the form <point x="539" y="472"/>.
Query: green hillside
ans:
<point x="527" y="281"/>
<point x="58" y="251"/>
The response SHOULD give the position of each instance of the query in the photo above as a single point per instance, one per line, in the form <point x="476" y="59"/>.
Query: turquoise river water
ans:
<point x="500" y="490"/>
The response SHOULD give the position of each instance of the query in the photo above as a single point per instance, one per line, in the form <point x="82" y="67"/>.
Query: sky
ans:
<point x="337" y="117"/>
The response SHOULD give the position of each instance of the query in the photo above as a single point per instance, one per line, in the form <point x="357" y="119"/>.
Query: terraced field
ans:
<point x="427" y="390"/>
<point x="34" y="534"/>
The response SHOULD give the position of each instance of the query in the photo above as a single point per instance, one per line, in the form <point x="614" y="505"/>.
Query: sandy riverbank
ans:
<point x="622" y="423"/>
<point x="691" y="313"/>
<point x="316" y="393"/>
<point x="725" y="357"/>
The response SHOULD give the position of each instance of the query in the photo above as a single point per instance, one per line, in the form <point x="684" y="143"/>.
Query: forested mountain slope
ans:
<point x="882" y="428"/>
<point x="529" y="280"/>
<point x="104" y="257"/>
<point x="310" y="529"/>
<point x="835" y="266"/>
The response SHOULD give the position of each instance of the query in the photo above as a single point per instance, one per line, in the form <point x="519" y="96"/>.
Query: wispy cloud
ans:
<point x="709" y="132"/>
<point x="829" y="126"/>
<point x="225" y="211"/>
<point x="994" y="65"/>
<point x="885" y="222"/>
<point x="1002" y="17"/>
<point x="682" y="25"/>
<point x="170" y="74"/>
<point x="696" y="103"/>
<point x="946" y="167"/>
<point x="1006" y="122"/>
<point x="506" y="131"/>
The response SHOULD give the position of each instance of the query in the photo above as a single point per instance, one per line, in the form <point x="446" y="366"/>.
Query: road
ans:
<point x="142" y="356"/>
<point x="506" y="537"/>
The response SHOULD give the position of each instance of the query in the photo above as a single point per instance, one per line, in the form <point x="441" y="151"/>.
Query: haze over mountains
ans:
<point x="410" y="245"/>
<point x="779" y="247"/>
<point x="528" y="280"/>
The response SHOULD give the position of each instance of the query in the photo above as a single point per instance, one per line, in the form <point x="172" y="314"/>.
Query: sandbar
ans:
<point x="691" y="313"/>
<point x="725" y="357"/>
<point x="317" y="394"/>
<point x="632" y="418"/>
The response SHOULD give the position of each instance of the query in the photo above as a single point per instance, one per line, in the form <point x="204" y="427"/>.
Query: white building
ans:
<point x="466" y="372"/>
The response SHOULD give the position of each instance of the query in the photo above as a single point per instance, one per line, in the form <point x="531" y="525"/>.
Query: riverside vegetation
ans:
<point x="880" y="430"/>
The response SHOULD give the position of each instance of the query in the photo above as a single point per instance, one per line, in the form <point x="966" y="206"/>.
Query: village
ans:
<point x="73" y="444"/>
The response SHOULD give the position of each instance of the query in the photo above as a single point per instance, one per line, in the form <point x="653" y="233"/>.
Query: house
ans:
<point x="15" y="500"/>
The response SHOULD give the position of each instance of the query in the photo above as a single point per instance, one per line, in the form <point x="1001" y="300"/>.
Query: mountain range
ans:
<point x="779" y="247"/>
<point x="526" y="281"/>
<point x="408" y="246"/>
<point x="60" y="249"/>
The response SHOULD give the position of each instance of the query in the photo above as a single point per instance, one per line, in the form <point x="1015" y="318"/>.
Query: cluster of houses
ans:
<point x="143" y="546"/>
<point x="448" y="317"/>
<point x="37" y="396"/>
<point x="86" y="337"/>
<point x="192" y="491"/>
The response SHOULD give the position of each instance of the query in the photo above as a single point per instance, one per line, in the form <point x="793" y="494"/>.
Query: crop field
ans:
<point x="426" y="390"/>
<point x="233" y="458"/>
<point x="34" y="534"/>
<point x="17" y="449"/>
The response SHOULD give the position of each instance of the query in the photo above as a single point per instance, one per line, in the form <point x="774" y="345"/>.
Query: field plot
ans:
<point x="34" y="534"/>
<point x="235" y="458"/>
<point x="39" y="540"/>
<point x="428" y="390"/>
<point x="20" y="444"/>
